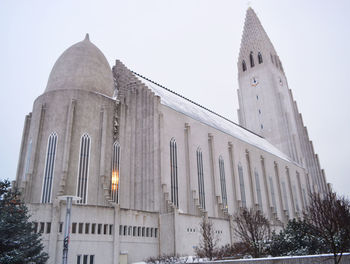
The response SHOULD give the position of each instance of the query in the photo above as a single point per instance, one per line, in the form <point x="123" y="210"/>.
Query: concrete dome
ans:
<point x="84" y="67"/>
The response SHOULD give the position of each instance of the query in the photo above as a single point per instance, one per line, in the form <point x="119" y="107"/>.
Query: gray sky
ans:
<point x="190" y="46"/>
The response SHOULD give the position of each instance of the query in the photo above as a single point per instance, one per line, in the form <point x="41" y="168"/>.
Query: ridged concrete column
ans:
<point x="291" y="192"/>
<point x="67" y="145"/>
<point x="20" y="176"/>
<point x="33" y="165"/>
<point x="233" y="177"/>
<point x="251" y="183"/>
<point x="277" y="176"/>
<point x="267" y="192"/>
<point x="214" y="184"/>
<point x="189" y="187"/>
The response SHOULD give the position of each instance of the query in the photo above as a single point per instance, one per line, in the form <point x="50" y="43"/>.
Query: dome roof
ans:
<point x="84" y="67"/>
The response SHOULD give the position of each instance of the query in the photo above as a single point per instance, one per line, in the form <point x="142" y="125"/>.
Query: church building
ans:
<point x="148" y="163"/>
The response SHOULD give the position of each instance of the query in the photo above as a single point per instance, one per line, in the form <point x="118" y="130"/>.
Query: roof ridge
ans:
<point x="193" y="102"/>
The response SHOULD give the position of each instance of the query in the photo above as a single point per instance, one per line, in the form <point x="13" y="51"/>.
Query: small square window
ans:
<point x="155" y="232"/>
<point x="134" y="231"/>
<point x="257" y="97"/>
<point x="87" y="228"/>
<point x="99" y="228"/>
<point x="139" y="231"/>
<point x="60" y="227"/>
<point x="74" y="228"/>
<point x="42" y="227"/>
<point x="129" y="230"/>
<point x="85" y="259"/>
<point x="48" y="228"/>
<point x="143" y="231"/>
<point x="151" y="235"/>
<point x="120" y="230"/>
<point x="80" y="228"/>
<point x="105" y="226"/>
<point x="110" y="229"/>
<point x="147" y="232"/>
<point x="125" y="230"/>
<point x="35" y="227"/>
<point x="93" y="228"/>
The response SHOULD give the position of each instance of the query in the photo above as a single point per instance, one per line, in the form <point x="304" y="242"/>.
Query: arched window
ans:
<point x="223" y="182"/>
<point x="260" y="59"/>
<point x="272" y="191"/>
<point x="296" y="199"/>
<point x="115" y="172"/>
<point x="83" y="170"/>
<point x="276" y="61"/>
<point x="244" y="66"/>
<point x="241" y="185"/>
<point x="258" y="189"/>
<point x="251" y="58"/>
<point x="285" y="198"/>
<point x="173" y="173"/>
<point x="49" y="168"/>
<point x="200" y="178"/>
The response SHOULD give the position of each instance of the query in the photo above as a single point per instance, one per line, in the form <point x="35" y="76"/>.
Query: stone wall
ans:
<point x="324" y="259"/>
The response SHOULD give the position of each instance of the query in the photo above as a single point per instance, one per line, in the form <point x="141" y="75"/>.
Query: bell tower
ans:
<point x="266" y="104"/>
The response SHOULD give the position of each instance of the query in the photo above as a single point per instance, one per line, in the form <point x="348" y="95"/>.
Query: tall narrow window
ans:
<point x="251" y="59"/>
<point x="286" y="207"/>
<point x="27" y="160"/>
<point x="272" y="191"/>
<point x="200" y="178"/>
<point x="244" y="66"/>
<point x="173" y="173"/>
<point x="115" y="172"/>
<point x="272" y="59"/>
<point x="260" y="59"/>
<point x="83" y="168"/>
<point x="304" y="196"/>
<point x="276" y="61"/>
<point x="49" y="168"/>
<point x="223" y="182"/>
<point x="241" y="185"/>
<point x="258" y="190"/>
<point x="296" y="198"/>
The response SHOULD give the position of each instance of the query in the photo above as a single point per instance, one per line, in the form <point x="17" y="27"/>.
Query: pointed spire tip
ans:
<point x="87" y="38"/>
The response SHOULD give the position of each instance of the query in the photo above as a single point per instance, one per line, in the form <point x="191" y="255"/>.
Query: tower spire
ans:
<point x="254" y="37"/>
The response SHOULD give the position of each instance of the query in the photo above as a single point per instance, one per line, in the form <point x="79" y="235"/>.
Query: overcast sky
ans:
<point x="190" y="46"/>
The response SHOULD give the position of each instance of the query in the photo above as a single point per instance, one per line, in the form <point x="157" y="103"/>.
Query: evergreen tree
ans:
<point x="296" y="239"/>
<point x="18" y="243"/>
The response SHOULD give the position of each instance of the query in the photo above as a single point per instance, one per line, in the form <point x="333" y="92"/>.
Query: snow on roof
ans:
<point x="208" y="117"/>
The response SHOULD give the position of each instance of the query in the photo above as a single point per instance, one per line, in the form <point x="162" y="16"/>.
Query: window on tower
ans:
<point x="260" y="59"/>
<point x="244" y="66"/>
<point x="271" y="58"/>
<point x="83" y="168"/>
<point x="251" y="58"/>
<point x="115" y="172"/>
<point x="49" y="168"/>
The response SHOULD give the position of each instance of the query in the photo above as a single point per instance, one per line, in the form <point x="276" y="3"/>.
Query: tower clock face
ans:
<point x="254" y="81"/>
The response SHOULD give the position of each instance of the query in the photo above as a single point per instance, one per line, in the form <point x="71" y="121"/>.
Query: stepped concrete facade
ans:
<point x="146" y="163"/>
